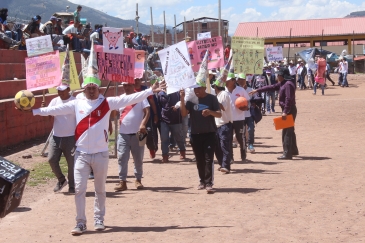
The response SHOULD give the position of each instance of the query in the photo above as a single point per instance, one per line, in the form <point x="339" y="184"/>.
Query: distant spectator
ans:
<point x="58" y="28"/>
<point x="72" y="32"/>
<point x="227" y="52"/>
<point x="96" y="37"/>
<point x="139" y="39"/>
<point x="16" y="33"/>
<point x="77" y="14"/>
<point x="49" y="27"/>
<point x="33" y="27"/>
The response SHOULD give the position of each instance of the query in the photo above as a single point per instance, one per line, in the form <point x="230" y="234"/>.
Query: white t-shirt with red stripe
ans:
<point x="131" y="117"/>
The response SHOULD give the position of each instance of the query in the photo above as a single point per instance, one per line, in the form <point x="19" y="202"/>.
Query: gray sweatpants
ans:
<point x="59" y="145"/>
<point x="127" y="144"/>
<point x="84" y="163"/>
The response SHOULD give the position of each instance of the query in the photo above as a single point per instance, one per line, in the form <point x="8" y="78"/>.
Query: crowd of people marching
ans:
<point x="204" y="116"/>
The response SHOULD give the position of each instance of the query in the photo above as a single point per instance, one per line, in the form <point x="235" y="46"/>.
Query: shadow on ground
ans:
<point x="239" y="190"/>
<point x="246" y="171"/>
<point x="113" y="229"/>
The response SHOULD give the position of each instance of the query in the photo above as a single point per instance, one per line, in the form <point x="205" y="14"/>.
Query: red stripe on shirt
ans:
<point x="95" y="116"/>
<point x="125" y="112"/>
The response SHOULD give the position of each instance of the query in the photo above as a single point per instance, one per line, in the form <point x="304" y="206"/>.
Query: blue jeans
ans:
<point x="17" y="34"/>
<point x="176" y="132"/>
<point x="344" y="77"/>
<point x="223" y="146"/>
<point x="251" y="130"/>
<point x="315" y="88"/>
<point x="270" y="96"/>
<point x="76" y="44"/>
<point x="129" y="144"/>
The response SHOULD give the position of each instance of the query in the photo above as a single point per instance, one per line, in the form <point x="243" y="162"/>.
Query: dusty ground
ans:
<point x="317" y="197"/>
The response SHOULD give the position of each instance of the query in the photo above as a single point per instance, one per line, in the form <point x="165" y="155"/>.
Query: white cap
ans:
<point x="62" y="87"/>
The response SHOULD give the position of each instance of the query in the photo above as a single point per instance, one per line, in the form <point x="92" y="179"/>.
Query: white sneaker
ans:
<point x="99" y="225"/>
<point x="79" y="229"/>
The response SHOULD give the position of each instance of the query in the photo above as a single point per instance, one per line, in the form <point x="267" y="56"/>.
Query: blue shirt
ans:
<point x="3" y="21"/>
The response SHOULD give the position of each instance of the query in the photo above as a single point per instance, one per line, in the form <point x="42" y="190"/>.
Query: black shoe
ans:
<point x="295" y="153"/>
<point x="347" y="86"/>
<point x="283" y="157"/>
<point x="60" y="185"/>
<point x="71" y="190"/>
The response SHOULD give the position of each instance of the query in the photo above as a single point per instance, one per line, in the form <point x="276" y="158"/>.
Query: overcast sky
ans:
<point x="235" y="11"/>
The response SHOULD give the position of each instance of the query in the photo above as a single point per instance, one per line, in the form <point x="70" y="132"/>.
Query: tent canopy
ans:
<point x="311" y="53"/>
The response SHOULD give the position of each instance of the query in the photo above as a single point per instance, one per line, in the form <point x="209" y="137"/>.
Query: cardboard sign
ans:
<point x="74" y="77"/>
<point x="116" y="67"/>
<point x="43" y="72"/>
<point x="139" y="63"/>
<point x="205" y="35"/>
<point x="39" y="45"/>
<point x="248" y="54"/>
<point x="274" y="53"/>
<point x="113" y="40"/>
<point x="197" y="51"/>
<point x="176" y="67"/>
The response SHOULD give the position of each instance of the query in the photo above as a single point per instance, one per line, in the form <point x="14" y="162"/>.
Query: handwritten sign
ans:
<point x="74" y="77"/>
<point x="39" y="45"/>
<point x="248" y="54"/>
<point x="205" y="35"/>
<point x="43" y="72"/>
<point x="139" y="63"/>
<point x="197" y="51"/>
<point x="113" y="40"/>
<point x="176" y="67"/>
<point x="274" y="53"/>
<point x="116" y="67"/>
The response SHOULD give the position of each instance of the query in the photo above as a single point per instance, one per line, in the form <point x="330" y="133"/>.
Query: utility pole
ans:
<point x="164" y="30"/>
<point x="152" y="31"/>
<point x="219" y="18"/>
<point x="137" y="18"/>
<point x="193" y="29"/>
<point x="185" y="27"/>
<point x="289" y="45"/>
<point x="175" y="29"/>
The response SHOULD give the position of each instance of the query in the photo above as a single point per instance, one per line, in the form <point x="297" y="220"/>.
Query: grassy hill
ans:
<point x="25" y="9"/>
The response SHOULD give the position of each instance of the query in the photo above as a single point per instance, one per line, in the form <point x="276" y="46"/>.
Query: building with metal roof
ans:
<point x="307" y="33"/>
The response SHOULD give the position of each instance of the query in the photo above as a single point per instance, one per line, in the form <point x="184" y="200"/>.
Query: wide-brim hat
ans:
<point x="284" y="72"/>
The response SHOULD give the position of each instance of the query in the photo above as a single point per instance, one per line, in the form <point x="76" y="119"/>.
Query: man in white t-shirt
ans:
<point x="62" y="141"/>
<point x="238" y="115"/>
<point x="72" y="32"/>
<point x="344" y="66"/>
<point x="224" y="128"/>
<point x="133" y="120"/>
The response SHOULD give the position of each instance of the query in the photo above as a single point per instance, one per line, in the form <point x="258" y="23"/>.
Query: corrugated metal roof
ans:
<point x="302" y="28"/>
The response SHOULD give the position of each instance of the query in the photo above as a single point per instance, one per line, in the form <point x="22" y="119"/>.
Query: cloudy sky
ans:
<point x="235" y="11"/>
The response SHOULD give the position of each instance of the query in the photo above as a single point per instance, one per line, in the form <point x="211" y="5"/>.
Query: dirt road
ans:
<point x="317" y="197"/>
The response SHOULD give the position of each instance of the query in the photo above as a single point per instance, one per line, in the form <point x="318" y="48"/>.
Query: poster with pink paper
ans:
<point x="139" y="65"/>
<point x="116" y="67"/>
<point x="43" y="72"/>
<point x="113" y="40"/>
<point x="197" y="51"/>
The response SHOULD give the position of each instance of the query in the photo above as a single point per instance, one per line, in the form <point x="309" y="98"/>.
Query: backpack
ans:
<point x="256" y="113"/>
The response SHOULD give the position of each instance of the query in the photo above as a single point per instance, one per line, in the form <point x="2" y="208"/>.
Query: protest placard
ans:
<point x="176" y="67"/>
<point x="39" y="45"/>
<point x="113" y="40"/>
<point x="74" y="77"/>
<point x="197" y="51"/>
<point x="139" y="63"/>
<point x="205" y="35"/>
<point x="248" y="54"/>
<point x="116" y="67"/>
<point x="43" y="72"/>
<point x="274" y="53"/>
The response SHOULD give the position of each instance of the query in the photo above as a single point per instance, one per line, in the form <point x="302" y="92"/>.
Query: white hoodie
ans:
<point x="94" y="139"/>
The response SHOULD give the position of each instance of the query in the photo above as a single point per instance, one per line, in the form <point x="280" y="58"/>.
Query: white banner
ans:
<point x="176" y="67"/>
<point x="39" y="45"/>
<point x="113" y="40"/>
<point x="274" y="53"/>
<point x="205" y="35"/>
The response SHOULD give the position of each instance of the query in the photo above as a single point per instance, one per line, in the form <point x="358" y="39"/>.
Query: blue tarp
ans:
<point x="311" y="53"/>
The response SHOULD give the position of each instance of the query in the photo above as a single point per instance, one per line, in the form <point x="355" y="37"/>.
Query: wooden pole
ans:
<point x="164" y="30"/>
<point x="353" y="50"/>
<point x="322" y="41"/>
<point x="219" y="18"/>
<point x="194" y="29"/>
<point x="289" y="45"/>
<point x="185" y="27"/>
<point x="152" y="30"/>
<point x="175" y="29"/>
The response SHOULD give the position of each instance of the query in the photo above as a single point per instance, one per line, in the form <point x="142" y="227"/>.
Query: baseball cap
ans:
<point x="62" y="87"/>
<point x="53" y="18"/>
